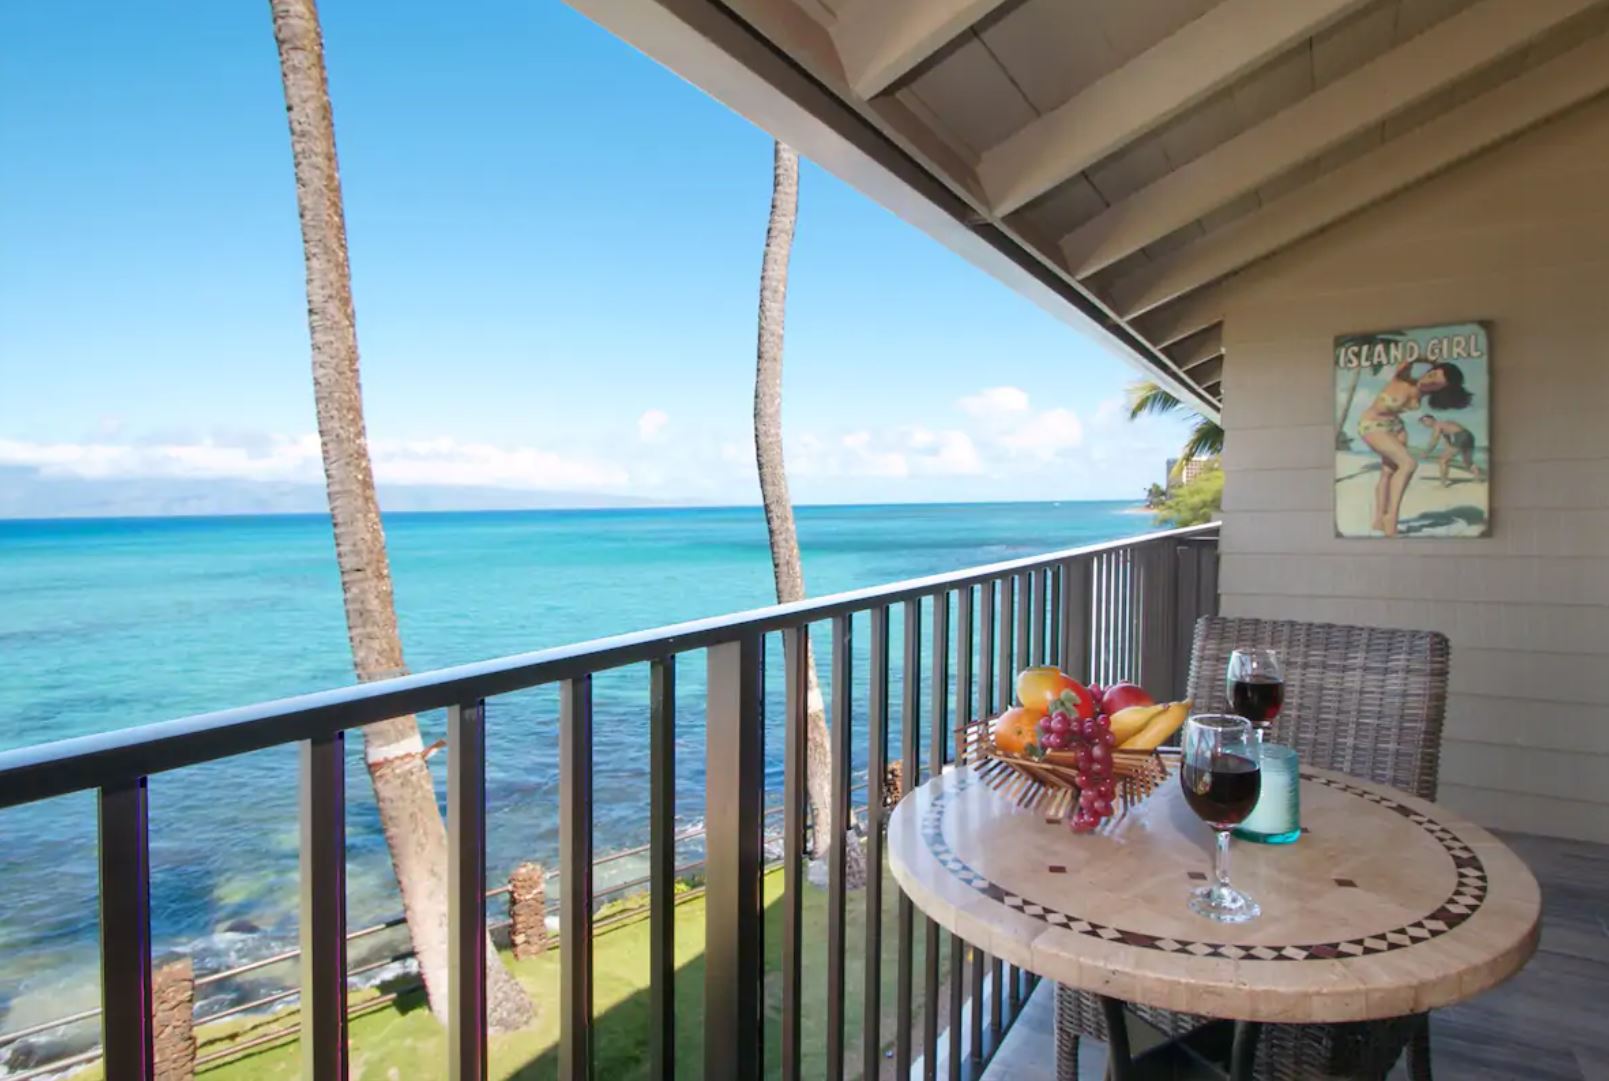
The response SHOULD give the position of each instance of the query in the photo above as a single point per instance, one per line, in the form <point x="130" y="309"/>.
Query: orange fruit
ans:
<point x="1016" y="728"/>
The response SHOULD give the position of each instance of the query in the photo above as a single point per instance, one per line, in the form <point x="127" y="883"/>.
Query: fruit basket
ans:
<point x="1060" y="752"/>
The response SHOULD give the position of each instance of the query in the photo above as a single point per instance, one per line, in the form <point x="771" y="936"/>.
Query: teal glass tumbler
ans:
<point x="1277" y="818"/>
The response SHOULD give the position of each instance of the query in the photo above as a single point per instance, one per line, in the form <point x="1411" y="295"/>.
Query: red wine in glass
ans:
<point x="1220" y="770"/>
<point x="1223" y="790"/>
<point x="1256" y="686"/>
<point x="1257" y="698"/>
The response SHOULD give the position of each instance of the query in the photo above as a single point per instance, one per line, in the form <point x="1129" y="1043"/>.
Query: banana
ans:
<point x="1128" y="723"/>
<point x="1162" y="725"/>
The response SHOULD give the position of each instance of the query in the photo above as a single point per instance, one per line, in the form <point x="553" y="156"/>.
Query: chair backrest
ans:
<point x="1368" y="701"/>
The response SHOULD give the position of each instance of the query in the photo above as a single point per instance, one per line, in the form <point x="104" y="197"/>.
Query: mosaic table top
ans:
<point x="1387" y="905"/>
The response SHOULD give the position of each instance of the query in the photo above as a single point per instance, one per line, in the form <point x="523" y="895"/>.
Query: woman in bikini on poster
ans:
<point x="1460" y="443"/>
<point x="1441" y="385"/>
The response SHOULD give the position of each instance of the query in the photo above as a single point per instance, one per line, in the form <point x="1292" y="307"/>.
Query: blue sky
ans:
<point x="555" y="245"/>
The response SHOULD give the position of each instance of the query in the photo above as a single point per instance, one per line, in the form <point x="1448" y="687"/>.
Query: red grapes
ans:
<point x="1090" y="739"/>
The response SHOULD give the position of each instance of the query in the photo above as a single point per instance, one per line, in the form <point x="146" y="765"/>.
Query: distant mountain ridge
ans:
<point x="26" y="494"/>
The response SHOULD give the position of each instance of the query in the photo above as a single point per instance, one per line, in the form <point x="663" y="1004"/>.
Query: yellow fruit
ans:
<point x="1128" y="723"/>
<point x="1159" y="728"/>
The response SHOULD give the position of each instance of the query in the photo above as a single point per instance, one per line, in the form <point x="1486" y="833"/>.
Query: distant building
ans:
<point x="1191" y="470"/>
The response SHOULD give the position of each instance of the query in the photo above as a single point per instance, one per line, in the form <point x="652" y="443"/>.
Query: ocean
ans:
<point x="106" y="624"/>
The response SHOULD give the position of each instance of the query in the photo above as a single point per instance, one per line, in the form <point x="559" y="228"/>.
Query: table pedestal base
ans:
<point x="1219" y="1049"/>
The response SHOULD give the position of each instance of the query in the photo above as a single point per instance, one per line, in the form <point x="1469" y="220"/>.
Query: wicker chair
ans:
<point x="1362" y="700"/>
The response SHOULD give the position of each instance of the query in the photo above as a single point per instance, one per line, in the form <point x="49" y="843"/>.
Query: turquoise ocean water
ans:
<point x="110" y="623"/>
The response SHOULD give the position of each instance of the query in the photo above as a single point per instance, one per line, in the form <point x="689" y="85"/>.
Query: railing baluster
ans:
<point x="323" y="907"/>
<point x="1037" y="591"/>
<point x="938" y="743"/>
<point x="1131" y="613"/>
<point x="1075" y="619"/>
<point x="735" y="767"/>
<point x="963" y="710"/>
<point x="842" y="709"/>
<point x="986" y="599"/>
<point x="876" y="769"/>
<point x="575" y="869"/>
<point x="989" y="592"/>
<point x="1004" y="671"/>
<point x="1106" y="634"/>
<point x="1024" y="654"/>
<point x="466" y="895"/>
<point x="125" y="872"/>
<point x="796" y="750"/>
<point x="1055" y="576"/>
<point x="911" y="772"/>
<point x="662" y="867"/>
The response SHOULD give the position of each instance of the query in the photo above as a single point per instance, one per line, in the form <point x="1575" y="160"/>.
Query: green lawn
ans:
<point x="403" y="1041"/>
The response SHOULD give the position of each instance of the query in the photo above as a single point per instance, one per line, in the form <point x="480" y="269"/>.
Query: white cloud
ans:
<point x="1049" y="434"/>
<point x="893" y="454"/>
<point x="651" y="423"/>
<point x="275" y="458"/>
<point x="447" y="461"/>
<point x="296" y="458"/>
<point x="995" y="402"/>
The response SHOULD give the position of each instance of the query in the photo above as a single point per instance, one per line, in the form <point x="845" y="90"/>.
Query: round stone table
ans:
<point x="1387" y="905"/>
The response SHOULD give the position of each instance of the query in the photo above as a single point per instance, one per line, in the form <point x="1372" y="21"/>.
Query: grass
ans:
<point x="402" y="1040"/>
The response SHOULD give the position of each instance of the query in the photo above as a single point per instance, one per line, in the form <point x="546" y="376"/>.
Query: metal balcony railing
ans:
<point x="1121" y="610"/>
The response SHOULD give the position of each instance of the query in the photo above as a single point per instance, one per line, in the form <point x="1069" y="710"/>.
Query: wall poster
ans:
<point x="1413" y="432"/>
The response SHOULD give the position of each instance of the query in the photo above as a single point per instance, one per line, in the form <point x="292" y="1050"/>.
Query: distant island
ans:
<point x="26" y="494"/>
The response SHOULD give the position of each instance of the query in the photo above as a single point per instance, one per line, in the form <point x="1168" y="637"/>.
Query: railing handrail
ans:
<point x="42" y="771"/>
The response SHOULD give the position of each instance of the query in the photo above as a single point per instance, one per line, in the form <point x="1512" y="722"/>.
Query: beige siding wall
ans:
<point x="1519" y="237"/>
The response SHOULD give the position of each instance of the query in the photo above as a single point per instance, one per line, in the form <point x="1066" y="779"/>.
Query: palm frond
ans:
<point x="1146" y="397"/>
<point x="1206" y="441"/>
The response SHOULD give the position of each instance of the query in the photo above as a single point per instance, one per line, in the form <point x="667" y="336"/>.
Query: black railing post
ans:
<point x="958" y="949"/>
<point x="796" y="751"/>
<point x="735" y="768"/>
<point x="1074" y="620"/>
<point x="125" y="871"/>
<point x="575" y="873"/>
<point x="662" y="867"/>
<point x="876" y="772"/>
<point x="842" y="709"/>
<point x="938" y="742"/>
<point x="911" y="775"/>
<point x="466" y="895"/>
<point x="323" y="907"/>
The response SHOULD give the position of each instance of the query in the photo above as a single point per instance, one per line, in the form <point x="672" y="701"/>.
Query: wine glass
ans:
<point x="1255" y="686"/>
<point x="1221" y="773"/>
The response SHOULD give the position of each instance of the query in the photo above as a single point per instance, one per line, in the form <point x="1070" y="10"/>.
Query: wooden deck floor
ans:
<point x="1549" y="1023"/>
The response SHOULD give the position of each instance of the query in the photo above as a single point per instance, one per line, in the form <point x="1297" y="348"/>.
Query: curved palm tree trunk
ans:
<point x="403" y="788"/>
<point x="785" y="562"/>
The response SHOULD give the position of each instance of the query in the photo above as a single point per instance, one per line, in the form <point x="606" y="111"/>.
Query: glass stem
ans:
<point x="1220" y="863"/>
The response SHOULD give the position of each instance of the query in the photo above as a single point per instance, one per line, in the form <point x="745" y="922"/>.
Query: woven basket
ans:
<point x="1047" y="785"/>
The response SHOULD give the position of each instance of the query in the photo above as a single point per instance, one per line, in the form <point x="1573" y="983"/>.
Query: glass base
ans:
<point x="1287" y="838"/>
<point x="1224" y="904"/>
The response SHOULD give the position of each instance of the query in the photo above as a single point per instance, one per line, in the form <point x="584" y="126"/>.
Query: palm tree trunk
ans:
<point x="403" y="788"/>
<point x="785" y="562"/>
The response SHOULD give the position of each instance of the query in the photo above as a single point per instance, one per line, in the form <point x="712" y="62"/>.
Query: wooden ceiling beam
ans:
<point x="1197" y="349"/>
<point x="1180" y="70"/>
<point x="1520" y="103"/>
<point x="1191" y="315"/>
<point x="881" y="41"/>
<point x="1424" y="64"/>
<point x="1208" y="372"/>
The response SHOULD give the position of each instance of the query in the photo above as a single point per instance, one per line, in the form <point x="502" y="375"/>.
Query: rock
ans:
<point x="173" y="994"/>
<point x="527" y="910"/>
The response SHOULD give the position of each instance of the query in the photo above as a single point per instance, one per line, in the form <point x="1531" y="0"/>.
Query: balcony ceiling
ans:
<point x="1132" y="157"/>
